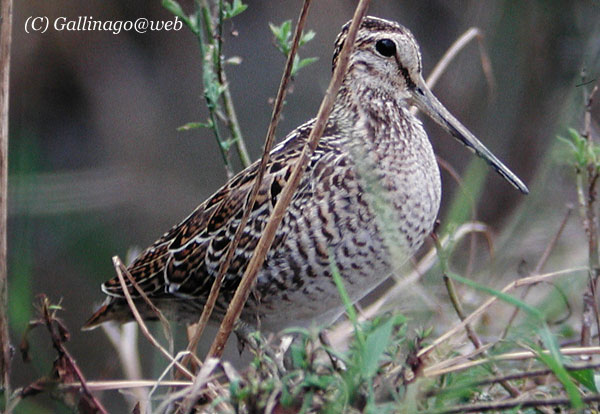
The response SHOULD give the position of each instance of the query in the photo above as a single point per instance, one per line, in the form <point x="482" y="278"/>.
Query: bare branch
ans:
<point x="243" y="290"/>
<point x="214" y="291"/>
<point x="5" y="43"/>
<point x="479" y="311"/>
<point x="120" y="268"/>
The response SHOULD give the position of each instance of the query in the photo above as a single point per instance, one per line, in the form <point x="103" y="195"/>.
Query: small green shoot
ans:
<point x="234" y="8"/>
<point x="283" y="43"/>
<point x="194" y="125"/>
<point x="585" y="152"/>
<point x="585" y="377"/>
<point x="372" y="340"/>
<point x="208" y="31"/>
<point x="553" y="358"/>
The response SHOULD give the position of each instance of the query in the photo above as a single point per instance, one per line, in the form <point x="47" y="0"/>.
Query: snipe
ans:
<point x="368" y="198"/>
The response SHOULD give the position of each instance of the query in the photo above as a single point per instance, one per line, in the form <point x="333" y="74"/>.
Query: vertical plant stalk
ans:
<point x="122" y="272"/>
<point x="216" y="286"/>
<point x="230" y="114"/>
<point x="454" y="298"/>
<point x="5" y="40"/>
<point x="587" y="194"/>
<point x="209" y="81"/>
<point x="243" y="291"/>
<point x="538" y="269"/>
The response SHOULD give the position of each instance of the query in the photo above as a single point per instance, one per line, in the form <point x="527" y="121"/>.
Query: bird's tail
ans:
<point x="105" y="313"/>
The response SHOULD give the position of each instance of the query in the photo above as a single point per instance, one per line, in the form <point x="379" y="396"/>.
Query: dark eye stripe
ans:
<point x="409" y="82"/>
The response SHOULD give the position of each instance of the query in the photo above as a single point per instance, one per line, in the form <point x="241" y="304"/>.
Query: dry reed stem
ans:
<point x="192" y="394"/>
<point x="124" y="341"/>
<point x="65" y="365"/>
<point x="453" y="51"/>
<point x="278" y="106"/>
<point x="169" y="368"/>
<point x="521" y="403"/>
<point x="538" y="267"/>
<point x="5" y="44"/>
<point x="456" y="303"/>
<point x="533" y="373"/>
<point x="479" y="311"/>
<point x="124" y="384"/>
<point x="163" y="321"/>
<point x="461" y="359"/>
<point x="120" y="268"/>
<point x="434" y="371"/>
<point x="257" y="260"/>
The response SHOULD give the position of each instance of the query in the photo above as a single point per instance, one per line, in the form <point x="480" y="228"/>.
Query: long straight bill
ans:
<point x="429" y="104"/>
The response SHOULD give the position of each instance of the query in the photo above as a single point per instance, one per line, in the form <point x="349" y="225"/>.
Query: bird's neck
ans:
<point x="373" y="117"/>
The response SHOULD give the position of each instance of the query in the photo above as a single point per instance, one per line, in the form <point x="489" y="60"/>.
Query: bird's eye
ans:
<point x="386" y="47"/>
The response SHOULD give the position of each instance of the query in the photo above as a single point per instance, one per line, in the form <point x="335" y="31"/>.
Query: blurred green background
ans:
<point x="97" y="166"/>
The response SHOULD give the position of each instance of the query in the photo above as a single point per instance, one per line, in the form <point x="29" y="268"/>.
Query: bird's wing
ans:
<point x="186" y="259"/>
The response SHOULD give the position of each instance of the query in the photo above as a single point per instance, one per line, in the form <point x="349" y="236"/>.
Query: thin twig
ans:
<point x="243" y="290"/>
<point x="193" y="393"/>
<point x="230" y="114"/>
<point x="124" y="384"/>
<point x="512" y="403"/>
<point x="479" y="311"/>
<point x="120" y="268"/>
<point x="58" y="337"/>
<point x="455" y="49"/>
<point x="518" y="376"/>
<point x="586" y="180"/>
<point x="163" y="321"/>
<point x="455" y="300"/>
<point x="209" y="77"/>
<point x="433" y="371"/>
<point x="124" y="341"/>
<point x="452" y="294"/>
<point x="214" y="291"/>
<point x="5" y="44"/>
<point x="538" y="267"/>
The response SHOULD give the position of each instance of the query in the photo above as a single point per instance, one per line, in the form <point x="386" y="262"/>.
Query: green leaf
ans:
<point x="233" y="60"/>
<point x="282" y="35"/>
<point x="313" y="380"/>
<point x="461" y="205"/>
<point x="585" y="152"/>
<point x="195" y="125"/>
<point x="174" y="7"/>
<point x="233" y="9"/>
<point x="376" y="343"/>
<point x="339" y="283"/>
<point x="306" y="37"/>
<point x="283" y="43"/>
<point x="212" y="92"/>
<point x="500" y="295"/>
<point x="302" y="63"/>
<point x="585" y="377"/>
<point x="554" y="362"/>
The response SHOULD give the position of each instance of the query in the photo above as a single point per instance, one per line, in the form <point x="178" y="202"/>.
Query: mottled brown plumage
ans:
<point x="367" y="200"/>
